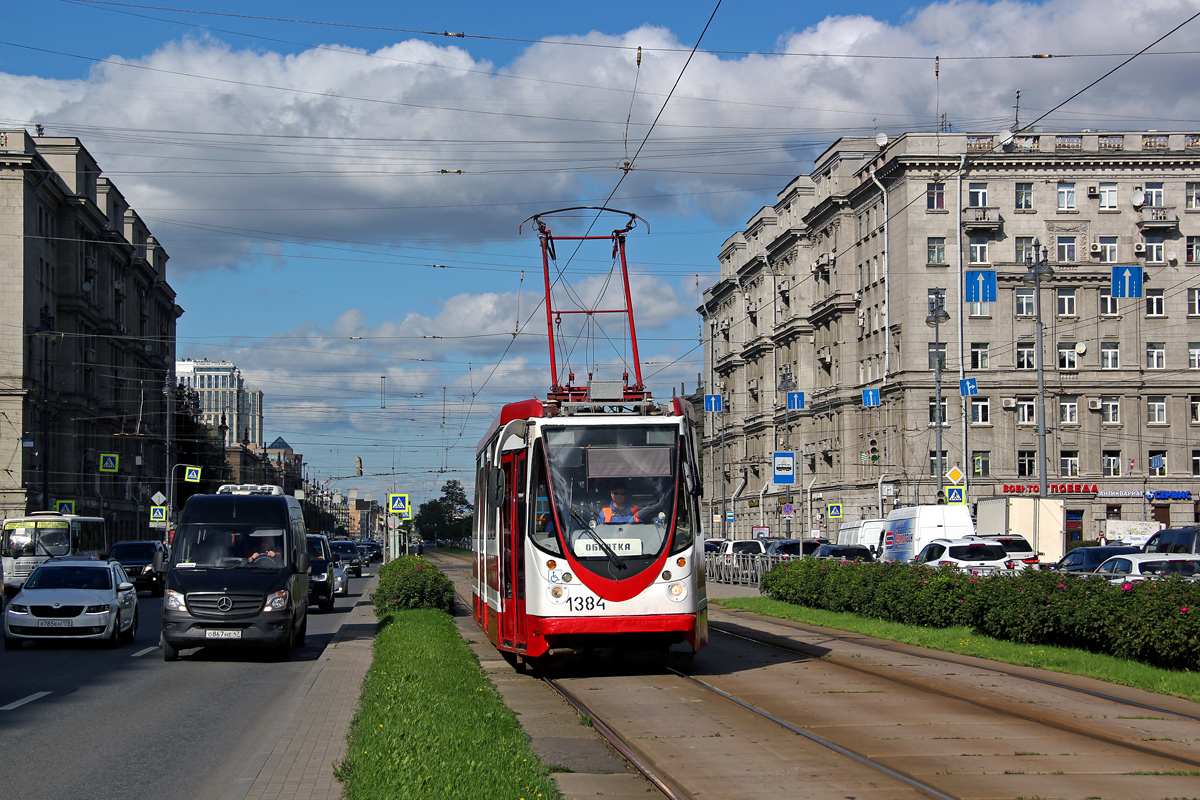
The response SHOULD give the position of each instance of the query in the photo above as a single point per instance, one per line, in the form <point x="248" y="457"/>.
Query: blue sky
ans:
<point x="305" y="178"/>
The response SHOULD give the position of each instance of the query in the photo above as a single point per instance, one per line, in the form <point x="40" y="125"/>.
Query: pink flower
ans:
<point x="1184" y="609"/>
<point x="1062" y="586"/>
<point x="1125" y="587"/>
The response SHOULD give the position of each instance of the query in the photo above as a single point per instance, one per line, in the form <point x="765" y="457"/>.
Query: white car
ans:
<point x="73" y="599"/>
<point x="341" y="582"/>
<point x="1134" y="567"/>
<point x="977" y="556"/>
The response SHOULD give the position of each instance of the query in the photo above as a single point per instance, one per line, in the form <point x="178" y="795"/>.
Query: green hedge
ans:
<point x="410" y="582"/>
<point x="1156" y="622"/>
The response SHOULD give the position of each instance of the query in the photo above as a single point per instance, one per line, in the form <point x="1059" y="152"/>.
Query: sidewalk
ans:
<point x="298" y="763"/>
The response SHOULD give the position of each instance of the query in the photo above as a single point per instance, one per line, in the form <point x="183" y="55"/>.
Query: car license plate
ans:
<point x="222" y="634"/>
<point x="54" y="623"/>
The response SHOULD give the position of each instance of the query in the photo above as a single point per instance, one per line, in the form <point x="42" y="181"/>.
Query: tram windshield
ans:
<point x="613" y="491"/>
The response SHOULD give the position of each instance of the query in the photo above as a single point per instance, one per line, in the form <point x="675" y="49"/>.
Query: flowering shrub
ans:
<point x="1157" y="622"/>
<point x="412" y="582"/>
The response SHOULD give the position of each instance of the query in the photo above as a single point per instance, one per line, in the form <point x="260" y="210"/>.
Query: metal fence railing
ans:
<point x="739" y="569"/>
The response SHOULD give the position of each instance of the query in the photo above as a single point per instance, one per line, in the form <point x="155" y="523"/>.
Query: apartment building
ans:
<point x="835" y="289"/>
<point x="225" y="399"/>
<point x="89" y="341"/>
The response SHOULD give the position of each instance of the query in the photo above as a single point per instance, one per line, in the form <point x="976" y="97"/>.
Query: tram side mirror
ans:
<point x="689" y="476"/>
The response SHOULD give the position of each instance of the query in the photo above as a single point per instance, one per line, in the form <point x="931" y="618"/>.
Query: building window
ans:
<point x="1191" y="200"/>
<point x="1068" y="359"/>
<point x="979" y="355"/>
<point x="1025" y="411"/>
<point x="1155" y="250"/>
<point x="933" y="411"/>
<point x="933" y="461"/>
<point x="937" y="355"/>
<point x="1158" y="457"/>
<point x="1108" y="249"/>
<point x="1196" y="462"/>
<point x="981" y="462"/>
<point x="935" y="197"/>
<point x="1156" y="355"/>
<point x="1193" y="302"/>
<point x="1068" y="410"/>
<point x="1024" y="197"/>
<point x="977" y="195"/>
<point x="1025" y="357"/>
<point x="1066" y="249"/>
<point x="979" y="250"/>
<point x="1193" y="355"/>
<point x="1156" y="409"/>
<point x="1193" y="249"/>
<point x="981" y="411"/>
<point x="980" y="309"/>
<point x="1108" y="197"/>
<point x="1026" y="463"/>
<point x="1024" y="251"/>
<point x="1110" y="355"/>
<point x="1068" y="463"/>
<point x="1194" y="409"/>
<point x="1154" y="194"/>
<point x="1110" y="463"/>
<point x="1108" y="305"/>
<point x="1155" y="303"/>
<point x="1066" y="302"/>
<point x="1110" y="410"/>
<point x="1066" y="197"/>
<point x="936" y="250"/>
<point x="1024" y="302"/>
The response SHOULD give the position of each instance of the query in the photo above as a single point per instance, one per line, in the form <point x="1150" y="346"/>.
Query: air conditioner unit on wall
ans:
<point x="1008" y="402"/>
<point x="1095" y="248"/>
<point x="1093" y="191"/>
<point x="1094" y="404"/>
<point x="1139" y="247"/>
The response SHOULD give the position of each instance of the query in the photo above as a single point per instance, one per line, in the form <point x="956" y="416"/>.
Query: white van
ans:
<point x="910" y="529"/>
<point x="867" y="532"/>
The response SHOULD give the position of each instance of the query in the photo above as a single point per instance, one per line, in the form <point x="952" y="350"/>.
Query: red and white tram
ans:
<point x="563" y="564"/>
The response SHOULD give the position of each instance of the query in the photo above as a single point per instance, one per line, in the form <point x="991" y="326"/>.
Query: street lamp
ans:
<point x="786" y="384"/>
<point x="1035" y="260"/>
<point x="938" y="315"/>
<point x="45" y="332"/>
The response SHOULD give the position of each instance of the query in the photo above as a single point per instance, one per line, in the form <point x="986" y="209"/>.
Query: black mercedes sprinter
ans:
<point x="238" y="573"/>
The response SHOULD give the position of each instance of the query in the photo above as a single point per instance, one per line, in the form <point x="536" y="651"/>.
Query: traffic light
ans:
<point x="358" y="466"/>
<point x="941" y="497"/>
<point x="874" y="450"/>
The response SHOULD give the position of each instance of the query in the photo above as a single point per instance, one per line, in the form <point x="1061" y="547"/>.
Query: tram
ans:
<point x="587" y="534"/>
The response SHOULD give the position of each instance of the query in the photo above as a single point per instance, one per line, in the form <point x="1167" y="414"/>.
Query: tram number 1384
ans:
<point x="585" y="604"/>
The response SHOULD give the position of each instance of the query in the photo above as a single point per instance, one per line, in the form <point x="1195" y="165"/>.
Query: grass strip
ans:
<point x="964" y="641"/>
<point x="430" y="724"/>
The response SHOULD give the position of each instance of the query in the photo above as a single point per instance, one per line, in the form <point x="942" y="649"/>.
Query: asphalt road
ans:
<point x="81" y="721"/>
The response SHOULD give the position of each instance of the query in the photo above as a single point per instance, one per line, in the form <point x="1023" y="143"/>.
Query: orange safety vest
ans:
<point x="607" y="514"/>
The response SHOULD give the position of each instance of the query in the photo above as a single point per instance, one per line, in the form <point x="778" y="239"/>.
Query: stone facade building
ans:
<point x="225" y="399"/>
<point x="89" y="340"/>
<point x="834" y="287"/>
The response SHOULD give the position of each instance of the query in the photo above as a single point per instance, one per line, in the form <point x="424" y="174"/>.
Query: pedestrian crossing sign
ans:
<point x="64" y="506"/>
<point x="192" y="474"/>
<point x="398" y="504"/>
<point x="109" y="461"/>
<point x="956" y="496"/>
<point x="158" y="513"/>
<point x="834" y="510"/>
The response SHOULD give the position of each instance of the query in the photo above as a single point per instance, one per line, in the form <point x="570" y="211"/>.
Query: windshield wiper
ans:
<point x="608" y="551"/>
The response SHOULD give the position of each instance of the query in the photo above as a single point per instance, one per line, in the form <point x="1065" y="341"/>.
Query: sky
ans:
<point x="341" y="187"/>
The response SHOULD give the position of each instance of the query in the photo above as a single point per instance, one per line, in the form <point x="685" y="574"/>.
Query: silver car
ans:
<point x="73" y="599"/>
<point x="1134" y="567"/>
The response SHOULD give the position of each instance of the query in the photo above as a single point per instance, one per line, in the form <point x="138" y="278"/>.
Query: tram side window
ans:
<point x="685" y="521"/>
<point x="542" y="531"/>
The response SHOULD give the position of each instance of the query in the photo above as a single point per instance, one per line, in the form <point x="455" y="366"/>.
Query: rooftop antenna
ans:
<point x="1017" y="116"/>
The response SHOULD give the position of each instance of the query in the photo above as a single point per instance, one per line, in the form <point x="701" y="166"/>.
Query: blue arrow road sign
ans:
<point x="870" y="397"/>
<point x="967" y="387"/>
<point x="1127" y="281"/>
<point x="981" y="286"/>
<point x="712" y="402"/>
<point x="795" y="401"/>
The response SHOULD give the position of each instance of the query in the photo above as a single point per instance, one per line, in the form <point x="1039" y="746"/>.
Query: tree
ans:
<point x="446" y="517"/>
<point x="198" y="445"/>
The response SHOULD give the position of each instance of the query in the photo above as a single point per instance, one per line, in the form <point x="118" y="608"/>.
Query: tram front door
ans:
<point x="513" y="628"/>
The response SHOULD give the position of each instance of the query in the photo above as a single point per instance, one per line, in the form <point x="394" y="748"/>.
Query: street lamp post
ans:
<point x="45" y="332"/>
<point x="786" y="384"/>
<point x="1035" y="259"/>
<point x="938" y="315"/>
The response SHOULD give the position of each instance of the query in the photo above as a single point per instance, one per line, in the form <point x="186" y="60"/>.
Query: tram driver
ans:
<point x="618" y="510"/>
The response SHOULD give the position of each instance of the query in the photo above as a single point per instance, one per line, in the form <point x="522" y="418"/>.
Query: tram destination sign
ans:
<point x="622" y="547"/>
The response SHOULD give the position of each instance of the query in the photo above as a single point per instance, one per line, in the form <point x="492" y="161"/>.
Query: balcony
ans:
<point x="981" y="218"/>
<point x="1159" y="218"/>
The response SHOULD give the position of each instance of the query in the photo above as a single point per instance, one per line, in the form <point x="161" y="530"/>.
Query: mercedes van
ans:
<point x="909" y="529"/>
<point x="237" y="575"/>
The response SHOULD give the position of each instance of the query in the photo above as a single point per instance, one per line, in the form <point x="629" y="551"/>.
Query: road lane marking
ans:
<point x="144" y="652"/>
<point x="24" y="700"/>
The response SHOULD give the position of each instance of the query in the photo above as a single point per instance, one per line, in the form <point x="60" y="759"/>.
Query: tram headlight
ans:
<point x="666" y="576"/>
<point x="677" y="592"/>
<point x="566" y="577"/>
<point x="557" y="594"/>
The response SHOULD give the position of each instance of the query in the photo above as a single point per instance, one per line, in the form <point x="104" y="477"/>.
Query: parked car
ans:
<point x="138" y="560"/>
<point x="1175" y="540"/>
<point x="348" y="553"/>
<point x="73" y="598"/>
<point x="790" y="548"/>
<point x="1086" y="559"/>
<point x="1134" y="567"/>
<point x="374" y="548"/>
<point x="321" y="563"/>
<point x="844" y="552"/>
<point x="1018" y="548"/>
<point x="969" y="555"/>
<point x="713" y="546"/>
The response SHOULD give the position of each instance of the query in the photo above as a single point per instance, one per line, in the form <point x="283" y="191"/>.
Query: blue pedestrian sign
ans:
<point x="956" y="496"/>
<point x="795" y="401"/>
<point x="712" y="402"/>
<point x="108" y="462"/>
<point x="870" y="398"/>
<point x="64" y="506"/>
<point x="158" y="513"/>
<point x="398" y="504"/>
<point x="981" y="286"/>
<point x="191" y="474"/>
<point x="967" y="387"/>
<point x="785" y="468"/>
<point x="1127" y="281"/>
<point x="834" y="510"/>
